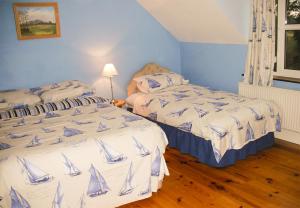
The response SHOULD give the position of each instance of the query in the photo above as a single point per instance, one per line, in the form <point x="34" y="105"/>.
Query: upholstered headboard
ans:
<point x="147" y="69"/>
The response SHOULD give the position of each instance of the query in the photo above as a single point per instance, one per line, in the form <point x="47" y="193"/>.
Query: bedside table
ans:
<point x="119" y="103"/>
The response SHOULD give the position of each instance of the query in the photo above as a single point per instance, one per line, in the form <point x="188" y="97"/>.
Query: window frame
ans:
<point x="281" y="73"/>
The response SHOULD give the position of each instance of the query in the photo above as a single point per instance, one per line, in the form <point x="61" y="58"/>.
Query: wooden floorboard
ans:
<point x="270" y="178"/>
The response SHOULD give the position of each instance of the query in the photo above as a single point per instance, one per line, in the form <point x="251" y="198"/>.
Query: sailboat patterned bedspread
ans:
<point x="228" y="120"/>
<point x="89" y="156"/>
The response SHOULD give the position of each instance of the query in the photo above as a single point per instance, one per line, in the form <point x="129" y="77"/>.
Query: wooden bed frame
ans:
<point x="148" y="69"/>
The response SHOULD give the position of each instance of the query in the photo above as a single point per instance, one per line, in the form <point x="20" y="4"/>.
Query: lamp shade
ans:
<point x="109" y="70"/>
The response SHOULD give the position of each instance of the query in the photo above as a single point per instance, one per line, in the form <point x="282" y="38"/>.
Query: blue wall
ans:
<point x="93" y="32"/>
<point x="218" y="66"/>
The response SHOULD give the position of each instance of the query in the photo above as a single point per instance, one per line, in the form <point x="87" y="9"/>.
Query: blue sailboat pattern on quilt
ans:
<point x="97" y="185"/>
<point x="17" y="136"/>
<point x="47" y="130"/>
<point x="57" y="141"/>
<point x="249" y="133"/>
<point x="17" y="200"/>
<point x="169" y="80"/>
<point x="58" y="197"/>
<point x="178" y="97"/>
<point x="34" y="142"/>
<point x="127" y="187"/>
<point x="20" y="123"/>
<point x="187" y="126"/>
<point x="238" y="123"/>
<point x="201" y="112"/>
<point x="76" y="112"/>
<point x="4" y="146"/>
<point x="153" y="116"/>
<point x="163" y="103"/>
<point x="147" y="190"/>
<point x="102" y="127"/>
<point x="111" y="155"/>
<point x="143" y="151"/>
<point x="218" y="104"/>
<point x="35" y="174"/>
<point x="131" y="118"/>
<point x="278" y="123"/>
<point x="124" y="125"/>
<point x="220" y="132"/>
<point x="178" y="113"/>
<point x="39" y="121"/>
<point x="155" y="168"/>
<point x="256" y="114"/>
<point x="51" y="114"/>
<point x="153" y="83"/>
<point x="72" y="169"/>
<point x="148" y="103"/>
<point x="217" y="153"/>
<point x="79" y="123"/>
<point x="68" y="132"/>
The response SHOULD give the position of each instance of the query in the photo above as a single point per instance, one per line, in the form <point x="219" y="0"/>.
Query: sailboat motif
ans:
<point x="130" y="118"/>
<point x="257" y="115"/>
<point x="39" y="121"/>
<point x="127" y="186"/>
<point x="4" y="146"/>
<point x="201" y="112"/>
<point x="178" y="113"/>
<point x="272" y="114"/>
<point x="124" y="125"/>
<point x="108" y="118"/>
<point x="20" y="123"/>
<point x="220" y="132"/>
<point x="54" y="85"/>
<point x="185" y="126"/>
<point x="147" y="190"/>
<point x="163" y="103"/>
<point x="102" y="127"/>
<point x="17" y="136"/>
<point x="17" y="200"/>
<point x="47" y="130"/>
<point x="103" y="105"/>
<point x="278" y="123"/>
<point x="148" y="103"/>
<point x="111" y="155"/>
<point x="217" y="154"/>
<point x="218" y="104"/>
<point x="238" y="123"/>
<point x="51" y="114"/>
<point x="153" y="83"/>
<point x="153" y="116"/>
<point x="198" y="93"/>
<point x="82" y="201"/>
<point x="73" y="170"/>
<point x="58" y="140"/>
<point x="264" y="26"/>
<point x="35" y="175"/>
<point x="169" y="80"/>
<point x="143" y="151"/>
<point x="58" y="197"/>
<point x="68" y="132"/>
<point x="178" y="97"/>
<point x="218" y="109"/>
<point x="97" y="184"/>
<point x="249" y="133"/>
<point x="76" y="112"/>
<point x="155" y="168"/>
<point x="82" y="122"/>
<point x="34" y="142"/>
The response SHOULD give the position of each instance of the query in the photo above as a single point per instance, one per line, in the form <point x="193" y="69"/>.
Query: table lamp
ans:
<point x="110" y="71"/>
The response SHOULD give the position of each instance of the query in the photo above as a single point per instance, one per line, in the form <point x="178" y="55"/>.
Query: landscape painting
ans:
<point x="36" y="20"/>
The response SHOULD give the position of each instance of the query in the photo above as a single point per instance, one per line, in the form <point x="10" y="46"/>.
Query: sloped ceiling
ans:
<point x="208" y="21"/>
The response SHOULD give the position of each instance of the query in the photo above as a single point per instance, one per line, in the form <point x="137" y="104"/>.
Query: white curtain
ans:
<point x="261" y="46"/>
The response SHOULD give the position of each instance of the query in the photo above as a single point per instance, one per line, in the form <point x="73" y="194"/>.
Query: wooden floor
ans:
<point x="268" y="179"/>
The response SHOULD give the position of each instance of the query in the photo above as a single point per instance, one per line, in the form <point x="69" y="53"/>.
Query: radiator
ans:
<point x="287" y="100"/>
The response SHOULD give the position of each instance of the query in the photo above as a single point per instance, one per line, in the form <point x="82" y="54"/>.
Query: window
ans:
<point x="288" y="41"/>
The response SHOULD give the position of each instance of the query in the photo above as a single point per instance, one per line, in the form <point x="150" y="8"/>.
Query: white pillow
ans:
<point x="158" y="81"/>
<point x="131" y="99"/>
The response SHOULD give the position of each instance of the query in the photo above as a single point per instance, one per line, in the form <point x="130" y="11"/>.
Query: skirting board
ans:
<point x="290" y="136"/>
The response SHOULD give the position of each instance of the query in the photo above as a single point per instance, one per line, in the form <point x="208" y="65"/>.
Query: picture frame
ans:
<point x="36" y="20"/>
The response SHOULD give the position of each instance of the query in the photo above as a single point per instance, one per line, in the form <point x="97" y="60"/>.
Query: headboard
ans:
<point x="146" y="70"/>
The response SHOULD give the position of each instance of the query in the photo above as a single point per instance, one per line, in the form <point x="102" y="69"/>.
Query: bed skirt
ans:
<point x="202" y="148"/>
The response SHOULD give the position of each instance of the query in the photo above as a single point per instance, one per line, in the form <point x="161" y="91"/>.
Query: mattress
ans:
<point x="225" y="119"/>
<point x="89" y="156"/>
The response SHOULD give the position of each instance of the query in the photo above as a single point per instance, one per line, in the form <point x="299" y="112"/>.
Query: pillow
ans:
<point x="17" y="98"/>
<point x="158" y="81"/>
<point x="130" y="100"/>
<point x="62" y="90"/>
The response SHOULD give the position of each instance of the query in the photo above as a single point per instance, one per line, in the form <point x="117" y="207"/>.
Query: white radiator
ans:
<point x="287" y="100"/>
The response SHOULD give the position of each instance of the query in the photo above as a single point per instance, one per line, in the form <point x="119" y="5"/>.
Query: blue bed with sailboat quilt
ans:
<point x="95" y="155"/>
<point x="216" y="127"/>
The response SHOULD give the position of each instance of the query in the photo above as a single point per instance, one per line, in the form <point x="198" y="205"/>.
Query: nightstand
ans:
<point x="119" y="103"/>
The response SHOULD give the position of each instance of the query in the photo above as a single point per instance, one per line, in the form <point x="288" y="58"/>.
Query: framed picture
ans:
<point x="36" y="20"/>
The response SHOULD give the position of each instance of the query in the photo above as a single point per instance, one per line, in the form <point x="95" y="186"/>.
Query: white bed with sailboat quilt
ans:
<point x="96" y="155"/>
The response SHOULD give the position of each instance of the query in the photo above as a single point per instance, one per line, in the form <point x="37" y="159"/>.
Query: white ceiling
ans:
<point x="208" y="21"/>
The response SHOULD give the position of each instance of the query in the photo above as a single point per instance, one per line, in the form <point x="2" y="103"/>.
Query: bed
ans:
<point x="78" y="152"/>
<point x="217" y="127"/>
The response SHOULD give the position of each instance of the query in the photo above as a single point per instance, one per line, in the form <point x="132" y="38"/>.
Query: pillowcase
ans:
<point x="17" y="98"/>
<point x="62" y="90"/>
<point x="130" y="100"/>
<point x="158" y="81"/>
